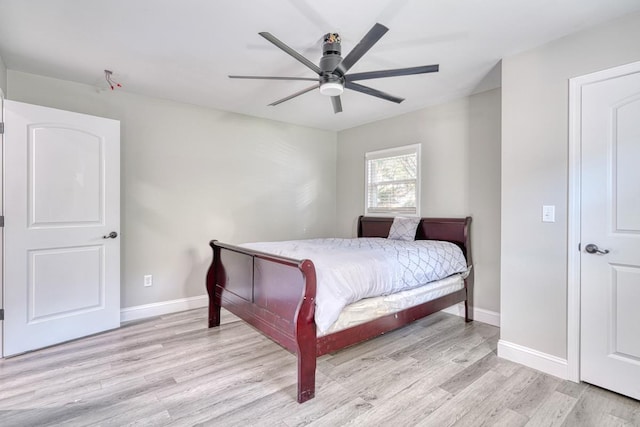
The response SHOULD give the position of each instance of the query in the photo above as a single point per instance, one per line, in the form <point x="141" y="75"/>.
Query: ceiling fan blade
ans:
<point x="373" y="92"/>
<point x="291" y="52"/>
<point x="303" y="91"/>
<point x="311" y="79"/>
<point x="393" y="73"/>
<point x="367" y="42"/>
<point x="337" y="104"/>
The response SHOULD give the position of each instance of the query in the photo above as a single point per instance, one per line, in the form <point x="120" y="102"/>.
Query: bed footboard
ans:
<point x="274" y="294"/>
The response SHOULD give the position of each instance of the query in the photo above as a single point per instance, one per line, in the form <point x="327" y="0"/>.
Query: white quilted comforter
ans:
<point x="348" y="270"/>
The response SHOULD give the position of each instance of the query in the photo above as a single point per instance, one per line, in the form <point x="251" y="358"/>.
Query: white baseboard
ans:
<point x="479" y="314"/>
<point x="164" y="307"/>
<point x="535" y="359"/>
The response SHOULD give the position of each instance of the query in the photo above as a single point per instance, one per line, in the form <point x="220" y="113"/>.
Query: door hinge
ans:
<point x="579" y="247"/>
<point x="1" y="313"/>
<point x="1" y="221"/>
<point x="1" y="128"/>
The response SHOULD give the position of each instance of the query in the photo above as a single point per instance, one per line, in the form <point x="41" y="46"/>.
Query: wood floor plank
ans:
<point x="448" y="331"/>
<point x="344" y="414"/>
<point x="335" y="395"/>
<point x="458" y="406"/>
<point x="553" y="411"/>
<point x="406" y="408"/>
<point x="508" y="418"/>
<point x="599" y="407"/>
<point x="276" y="408"/>
<point x="467" y="376"/>
<point x="229" y="392"/>
<point x="172" y="370"/>
<point x="528" y="402"/>
<point x="450" y="348"/>
<point x="381" y="385"/>
<point x="492" y="407"/>
<point x="142" y="410"/>
<point x="572" y="389"/>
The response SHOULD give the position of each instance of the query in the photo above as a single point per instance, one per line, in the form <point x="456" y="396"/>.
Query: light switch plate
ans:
<point x="548" y="213"/>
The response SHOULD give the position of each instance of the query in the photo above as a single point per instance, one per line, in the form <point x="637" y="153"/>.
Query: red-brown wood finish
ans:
<point x="276" y="295"/>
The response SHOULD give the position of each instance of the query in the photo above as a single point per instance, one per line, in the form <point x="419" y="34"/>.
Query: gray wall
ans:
<point x="460" y="174"/>
<point x="190" y="174"/>
<point x="534" y="172"/>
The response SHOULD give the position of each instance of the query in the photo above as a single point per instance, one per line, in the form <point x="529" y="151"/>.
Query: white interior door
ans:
<point x="610" y="198"/>
<point x="61" y="196"/>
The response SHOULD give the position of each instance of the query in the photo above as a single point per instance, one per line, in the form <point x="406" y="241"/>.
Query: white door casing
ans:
<point x="1" y="213"/>
<point x="61" y="196"/>
<point x="607" y="126"/>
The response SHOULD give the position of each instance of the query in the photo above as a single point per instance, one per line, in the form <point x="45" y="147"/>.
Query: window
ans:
<point x="393" y="181"/>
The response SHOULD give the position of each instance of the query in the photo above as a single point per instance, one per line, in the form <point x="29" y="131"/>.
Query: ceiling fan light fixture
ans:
<point x="331" y="89"/>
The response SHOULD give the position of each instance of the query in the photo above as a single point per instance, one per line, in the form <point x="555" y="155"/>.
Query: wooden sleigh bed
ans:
<point x="276" y="295"/>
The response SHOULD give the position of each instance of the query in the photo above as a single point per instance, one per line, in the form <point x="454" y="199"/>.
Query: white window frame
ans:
<point x="393" y="152"/>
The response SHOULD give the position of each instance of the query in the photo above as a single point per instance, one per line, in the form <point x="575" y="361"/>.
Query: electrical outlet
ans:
<point x="148" y="280"/>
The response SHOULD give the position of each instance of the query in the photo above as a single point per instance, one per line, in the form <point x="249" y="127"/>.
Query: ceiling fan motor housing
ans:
<point x="331" y="50"/>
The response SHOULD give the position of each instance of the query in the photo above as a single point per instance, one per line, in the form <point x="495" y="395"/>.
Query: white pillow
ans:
<point x="404" y="228"/>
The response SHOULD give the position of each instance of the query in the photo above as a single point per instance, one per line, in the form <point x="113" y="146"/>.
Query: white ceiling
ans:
<point x="183" y="50"/>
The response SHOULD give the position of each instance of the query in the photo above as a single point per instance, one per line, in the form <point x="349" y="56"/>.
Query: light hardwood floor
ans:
<point x="172" y="370"/>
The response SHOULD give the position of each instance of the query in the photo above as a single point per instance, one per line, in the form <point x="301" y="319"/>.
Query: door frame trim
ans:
<point x="2" y="98"/>
<point x="574" y="208"/>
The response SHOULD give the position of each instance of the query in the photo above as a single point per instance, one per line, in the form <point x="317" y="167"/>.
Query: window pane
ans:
<point x="392" y="184"/>
<point x="390" y="195"/>
<point x="393" y="168"/>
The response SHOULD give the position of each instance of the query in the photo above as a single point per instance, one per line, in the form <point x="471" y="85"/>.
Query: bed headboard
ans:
<point x="456" y="230"/>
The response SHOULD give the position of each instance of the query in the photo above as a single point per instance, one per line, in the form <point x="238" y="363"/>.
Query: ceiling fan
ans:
<point x="332" y="73"/>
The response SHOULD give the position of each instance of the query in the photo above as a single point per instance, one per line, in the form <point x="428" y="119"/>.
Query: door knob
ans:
<point x="111" y="235"/>
<point x="594" y="249"/>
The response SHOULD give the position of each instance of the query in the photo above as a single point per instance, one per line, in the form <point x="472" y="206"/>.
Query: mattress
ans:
<point x="372" y="308"/>
<point x="349" y="270"/>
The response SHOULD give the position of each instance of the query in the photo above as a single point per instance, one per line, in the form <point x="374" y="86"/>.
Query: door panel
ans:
<point x="55" y="290"/>
<point x="66" y="180"/>
<point x="625" y="316"/>
<point x="626" y="173"/>
<point x="62" y="195"/>
<point x="610" y="219"/>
